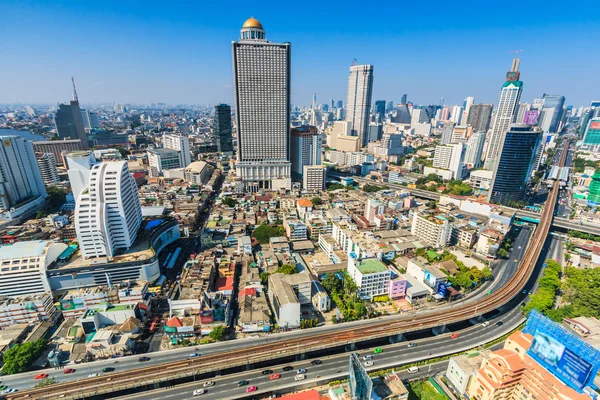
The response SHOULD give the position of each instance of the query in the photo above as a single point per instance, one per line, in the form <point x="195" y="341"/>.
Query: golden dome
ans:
<point x="252" y="23"/>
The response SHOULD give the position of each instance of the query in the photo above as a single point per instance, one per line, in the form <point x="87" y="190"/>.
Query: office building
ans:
<point x="181" y="144"/>
<point x="28" y="262"/>
<point x="404" y="98"/>
<point x="510" y="95"/>
<point x="370" y="275"/>
<point x="314" y="178"/>
<point x="161" y="160"/>
<point x="358" y="106"/>
<point x="553" y="112"/>
<point x="456" y="114"/>
<point x="222" y="128"/>
<point x="475" y="149"/>
<point x="447" y="130"/>
<point x="591" y="135"/>
<point x="22" y="187"/>
<point x="58" y="148"/>
<point x="379" y="110"/>
<point x="79" y="165"/>
<point x="433" y="230"/>
<point x="481" y="179"/>
<point x="450" y="157"/>
<point x="375" y="132"/>
<point x="107" y="212"/>
<point x="286" y="294"/>
<point x="479" y="117"/>
<point x="306" y="148"/>
<point x="389" y="106"/>
<point x="47" y="165"/>
<point x="530" y="117"/>
<point x="69" y="123"/>
<point x="517" y="152"/>
<point x="261" y="71"/>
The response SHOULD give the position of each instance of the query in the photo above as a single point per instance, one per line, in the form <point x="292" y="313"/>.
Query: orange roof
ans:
<point x="304" y="203"/>
<point x="522" y="339"/>
<point x="308" y="395"/>
<point x="174" y="323"/>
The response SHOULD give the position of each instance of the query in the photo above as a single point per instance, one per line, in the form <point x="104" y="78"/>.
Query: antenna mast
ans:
<point x="75" y="97"/>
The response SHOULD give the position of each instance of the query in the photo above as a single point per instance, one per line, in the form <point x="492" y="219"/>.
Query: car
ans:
<point x="93" y="375"/>
<point x="13" y="390"/>
<point x="3" y="387"/>
<point x="369" y="357"/>
<point x="288" y="368"/>
<point x="454" y="335"/>
<point x="410" y="345"/>
<point x="108" y="369"/>
<point x="194" y="355"/>
<point x="516" y="260"/>
<point x="40" y="376"/>
<point x="243" y="383"/>
<point x="524" y="292"/>
<point x="68" y="371"/>
<point x="198" y="392"/>
<point x="519" y="247"/>
<point x="143" y="359"/>
<point x="316" y="362"/>
<point x="499" y="323"/>
<point x="378" y="350"/>
<point x="251" y="389"/>
<point x="368" y="363"/>
<point x="486" y="323"/>
<point x="300" y="377"/>
<point x="301" y="371"/>
<point x="267" y="372"/>
<point x="274" y="377"/>
<point x="209" y="384"/>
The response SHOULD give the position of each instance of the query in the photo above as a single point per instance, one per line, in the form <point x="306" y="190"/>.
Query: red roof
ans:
<point x="225" y="283"/>
<point x="174" y="323"/>
<point x="308" y="395"/>
<point x="304" y="203"/>
<point x="138" y="175"/>
<point x="247" y="292"/>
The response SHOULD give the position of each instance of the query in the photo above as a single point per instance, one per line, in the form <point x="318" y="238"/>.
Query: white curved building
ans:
<point x="108" y="213"/>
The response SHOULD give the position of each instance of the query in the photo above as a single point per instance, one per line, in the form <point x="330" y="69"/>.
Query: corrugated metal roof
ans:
<point x="34" y="248"/>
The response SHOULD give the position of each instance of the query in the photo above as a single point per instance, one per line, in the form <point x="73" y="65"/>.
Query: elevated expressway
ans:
<point x="101" y="386"/>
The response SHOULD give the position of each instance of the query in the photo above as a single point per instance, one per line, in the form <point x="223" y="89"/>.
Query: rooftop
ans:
<point x="371" y="266"/>
<point x="34" y="248"/>
<point x="161" y="152"/>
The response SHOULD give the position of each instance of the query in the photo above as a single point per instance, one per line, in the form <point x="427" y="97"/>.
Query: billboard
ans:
<point x="441" y="290"/>
<point x="430" y="279"/>
<point x="595" y="125"/>
<point x="562" y="362"/>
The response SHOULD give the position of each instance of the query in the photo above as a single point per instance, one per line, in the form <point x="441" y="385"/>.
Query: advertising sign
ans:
<point x="595" y="125"/>
<point x="67" y="305"/>
<point x="441" y="290"/>
<point x="430" y="280"/>
<point x="559" y="360"/>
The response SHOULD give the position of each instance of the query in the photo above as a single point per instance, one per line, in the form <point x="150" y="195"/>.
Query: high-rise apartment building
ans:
<point x="505" y="112"/>
<point x="181" y="144"/>
<point x="69" y="123"/>
<point x="20" y="177"/>
<point x="222" y="128"/>
<point x="358" y="107"/>
<point x="456" y="114"/>
<point x="479" y="117"/>
<point x="435" y="231"/>
<point x="261" y="71"/>
<point x="47" y="165"/>
<point x="450" y="157"/>
<point x="475" y="150"/>
<point x="107" y="212"/>
<point x="314" y="177"/>
<point x="517" y="152"/>
<point x="306" y="147"/>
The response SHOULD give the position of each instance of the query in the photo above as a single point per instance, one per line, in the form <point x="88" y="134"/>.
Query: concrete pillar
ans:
<point x="397" y="338"/>
<point x="301" y="357"/>
<point x="350" y="347"/>
<point x="440" y="330"/>
<point x="477" y="320"/>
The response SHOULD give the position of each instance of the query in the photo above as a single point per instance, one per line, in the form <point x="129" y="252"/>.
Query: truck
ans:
<point x="412" y="370"/>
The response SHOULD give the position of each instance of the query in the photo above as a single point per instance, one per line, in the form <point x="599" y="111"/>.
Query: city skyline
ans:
<point x="146" y="57"/>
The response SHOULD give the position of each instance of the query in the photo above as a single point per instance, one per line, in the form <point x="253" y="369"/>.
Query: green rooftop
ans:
<point x="371" y="266"/>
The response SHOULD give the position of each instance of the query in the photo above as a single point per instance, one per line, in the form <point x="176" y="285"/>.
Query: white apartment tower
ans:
<point x="20" y="177"/>
<point x="181" y="144"/>
<point x="450" y="157"/>
<point x="505" y="113"/>
<point x="475" y="150"/>
<point x="107" y="213"/>
<point x="47" y="164"/>
<point x="306" y="147"/>
<point x="358" y="107"/>
<point x="261" y="76"/>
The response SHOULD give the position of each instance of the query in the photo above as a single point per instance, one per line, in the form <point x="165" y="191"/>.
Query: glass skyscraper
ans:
<point x="69" y="122"/>
<point x="222" y="128"/>
<point x="517" y="152"/>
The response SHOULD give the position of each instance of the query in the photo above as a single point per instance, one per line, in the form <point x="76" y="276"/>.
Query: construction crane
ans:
<point x="75" y="97"/>
<point x="516" y="52"/>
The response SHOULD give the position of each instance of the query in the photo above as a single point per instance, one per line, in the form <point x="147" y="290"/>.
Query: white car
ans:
<point x="198" y="392"/>
<point x="93" y="375"/>
<point x="300" y="377"/>
<point x="368" y="363"/>
<point x="209" y="383"/>
<point x="367" y="358"/>
<point x="486" y="323"/>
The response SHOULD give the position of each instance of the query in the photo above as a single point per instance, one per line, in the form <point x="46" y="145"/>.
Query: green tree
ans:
<point x="264" y="232"/>
<point x="264" y="278"/>
<point x="316" y="201"/>
<point x="218" y="333"/>
<point x="287" y="269"/>
<point x="502" y="253"/>
<point x="19" y="358"/>
<point x="46" y="382"/>
<point x="229" y="201"/>
<point x="332" y="283"/>
<point x="124" y="152"/>
<point x="57" y="196"/>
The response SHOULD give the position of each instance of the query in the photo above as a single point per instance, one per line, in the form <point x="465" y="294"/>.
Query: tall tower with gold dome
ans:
<point x="261" y="77"/>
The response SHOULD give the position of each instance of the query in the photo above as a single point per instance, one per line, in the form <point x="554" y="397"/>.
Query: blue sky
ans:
<point x="180" y="52"/>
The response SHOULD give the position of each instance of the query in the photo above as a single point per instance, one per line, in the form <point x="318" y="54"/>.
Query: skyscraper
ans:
<point x="475" y="150"/>
<point x="389" y="106"/>
<point x="222" y="128"/>
<point x="479" y="117"/>
<point x="261" y="71"/>
<point x="306" y="149"/>
<point x="181" y="144"/>
<point x="360" y="91"/>
<point x="404" y="99"/>
<point x="20" y="178"/>
<point x="515" y="162"/>
<point x="340" y="104"/>
<point x="510" y="95"/>
<point x="450" y="157"/>
<point x="69" y="123"/>
<point x="456" y="114"/>
<point x="380" y="110"/>
<point x="47" y="165"/>
<point x="553" y="108"/>
<point x="107" y="213"/>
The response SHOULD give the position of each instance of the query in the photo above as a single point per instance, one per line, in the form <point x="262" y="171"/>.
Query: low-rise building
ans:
<point x="295" y="229"/>
<point x="26" y="309"/>
<point x="370" y="275"/>
<point x="461" y="369"/>
<point x="432" y="228"/>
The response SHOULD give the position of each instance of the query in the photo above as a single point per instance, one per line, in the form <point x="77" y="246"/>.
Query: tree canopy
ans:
<point x="218" y="333"/>
<point x="57" y="196"/>
<point x="287" y="269"/>
<point x="229" y="201"/>
<point x="264" y="232"/>
<point x="316" y="201"/>
<point x="21" y="356"/>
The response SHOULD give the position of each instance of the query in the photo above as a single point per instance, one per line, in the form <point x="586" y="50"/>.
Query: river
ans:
<point x="24" y="134"/>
